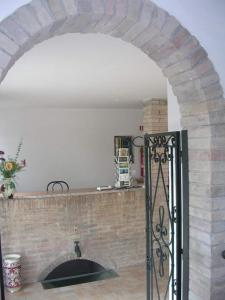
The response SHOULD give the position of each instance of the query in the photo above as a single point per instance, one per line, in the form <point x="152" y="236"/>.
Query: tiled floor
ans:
<point x="130" y="285"/>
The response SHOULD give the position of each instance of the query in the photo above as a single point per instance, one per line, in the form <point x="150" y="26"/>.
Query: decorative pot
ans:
<point x="12" y="272"/>
<point x="8" y="188"/>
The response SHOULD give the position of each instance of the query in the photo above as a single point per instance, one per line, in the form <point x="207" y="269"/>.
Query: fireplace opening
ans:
<point x="76" y="271"/>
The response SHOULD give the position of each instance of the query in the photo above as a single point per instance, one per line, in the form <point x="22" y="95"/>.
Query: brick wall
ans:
<point x="110" y="227"/>
<point x="155" y="116"/>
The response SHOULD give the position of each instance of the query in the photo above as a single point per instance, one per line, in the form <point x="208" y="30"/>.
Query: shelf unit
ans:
<point x="123" y="168"/>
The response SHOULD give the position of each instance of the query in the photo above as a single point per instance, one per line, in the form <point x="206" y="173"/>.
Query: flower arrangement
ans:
<point x="8" y="169"/>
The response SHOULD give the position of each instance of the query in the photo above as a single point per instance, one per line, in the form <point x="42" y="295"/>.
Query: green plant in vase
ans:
<point x="8" y="170"/>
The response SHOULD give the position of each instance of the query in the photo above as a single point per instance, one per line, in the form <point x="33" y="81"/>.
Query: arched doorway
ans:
<point x="196" y="84"/>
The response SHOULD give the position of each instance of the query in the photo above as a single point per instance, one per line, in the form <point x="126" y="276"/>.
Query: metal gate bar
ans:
<point x="148" y="202"/>
<point x="185" y="214"/>
<point x="178" y="216"/>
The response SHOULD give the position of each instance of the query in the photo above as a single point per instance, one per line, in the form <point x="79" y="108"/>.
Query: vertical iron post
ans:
<point x="178" y="216"/>
<point x="172" y="205"/>
<point x="149" y="280"/>
<point x="185" y="214"/>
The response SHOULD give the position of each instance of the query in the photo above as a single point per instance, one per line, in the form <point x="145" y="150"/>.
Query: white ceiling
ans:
<point x="83" y="71"/>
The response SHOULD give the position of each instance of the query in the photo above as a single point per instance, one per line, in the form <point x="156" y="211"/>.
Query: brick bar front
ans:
<point x="42" y="227"/>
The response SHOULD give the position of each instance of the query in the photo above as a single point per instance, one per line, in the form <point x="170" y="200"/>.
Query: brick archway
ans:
<point x="196" y="84"/>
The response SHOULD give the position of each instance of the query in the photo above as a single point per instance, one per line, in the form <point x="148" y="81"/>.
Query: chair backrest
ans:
<point x="57" y="183"/>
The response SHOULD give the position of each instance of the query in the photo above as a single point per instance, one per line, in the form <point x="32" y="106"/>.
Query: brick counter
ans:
<point x="42" y="227"/>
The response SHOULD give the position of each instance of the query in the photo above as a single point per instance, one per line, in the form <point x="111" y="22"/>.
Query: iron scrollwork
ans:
<point x="161" y="228"/>
<point x="163" y="143"/>
<point x="161" y="158"/>
<point x="162" y="249"/>
<point x="162" y="258"/>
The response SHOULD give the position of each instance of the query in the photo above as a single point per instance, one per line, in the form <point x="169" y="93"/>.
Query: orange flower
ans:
<point x="8" y="166"/>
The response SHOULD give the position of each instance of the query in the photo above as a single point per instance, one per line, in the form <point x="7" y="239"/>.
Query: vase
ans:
<point x="12" y="272"/>
<point x="8" y="188"/>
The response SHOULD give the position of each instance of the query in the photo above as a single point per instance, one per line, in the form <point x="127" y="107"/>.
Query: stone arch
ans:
<point x="194" y="80"/>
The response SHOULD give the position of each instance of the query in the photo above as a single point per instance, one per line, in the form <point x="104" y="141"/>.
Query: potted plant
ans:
<point x="8" y="170"/>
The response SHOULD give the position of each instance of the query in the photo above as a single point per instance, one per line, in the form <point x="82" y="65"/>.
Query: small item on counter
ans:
<point x="104" y="188"/>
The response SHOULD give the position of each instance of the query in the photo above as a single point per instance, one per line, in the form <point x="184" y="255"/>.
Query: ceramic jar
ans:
<point x="12" y="272"/>
<point x="8" y="188"/>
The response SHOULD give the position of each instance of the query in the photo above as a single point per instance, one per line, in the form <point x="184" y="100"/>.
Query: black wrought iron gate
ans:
<point x="167" y="225"/>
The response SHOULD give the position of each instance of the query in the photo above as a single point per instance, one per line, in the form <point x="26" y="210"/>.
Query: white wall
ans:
<point x="83" y="71"/>
<point x="69" y="144"/>
<point x="174" y="115"/>
<point x="7" y="7"/>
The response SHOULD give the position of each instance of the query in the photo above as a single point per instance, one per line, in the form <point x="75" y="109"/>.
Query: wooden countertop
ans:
<point x="72" y="192"/>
